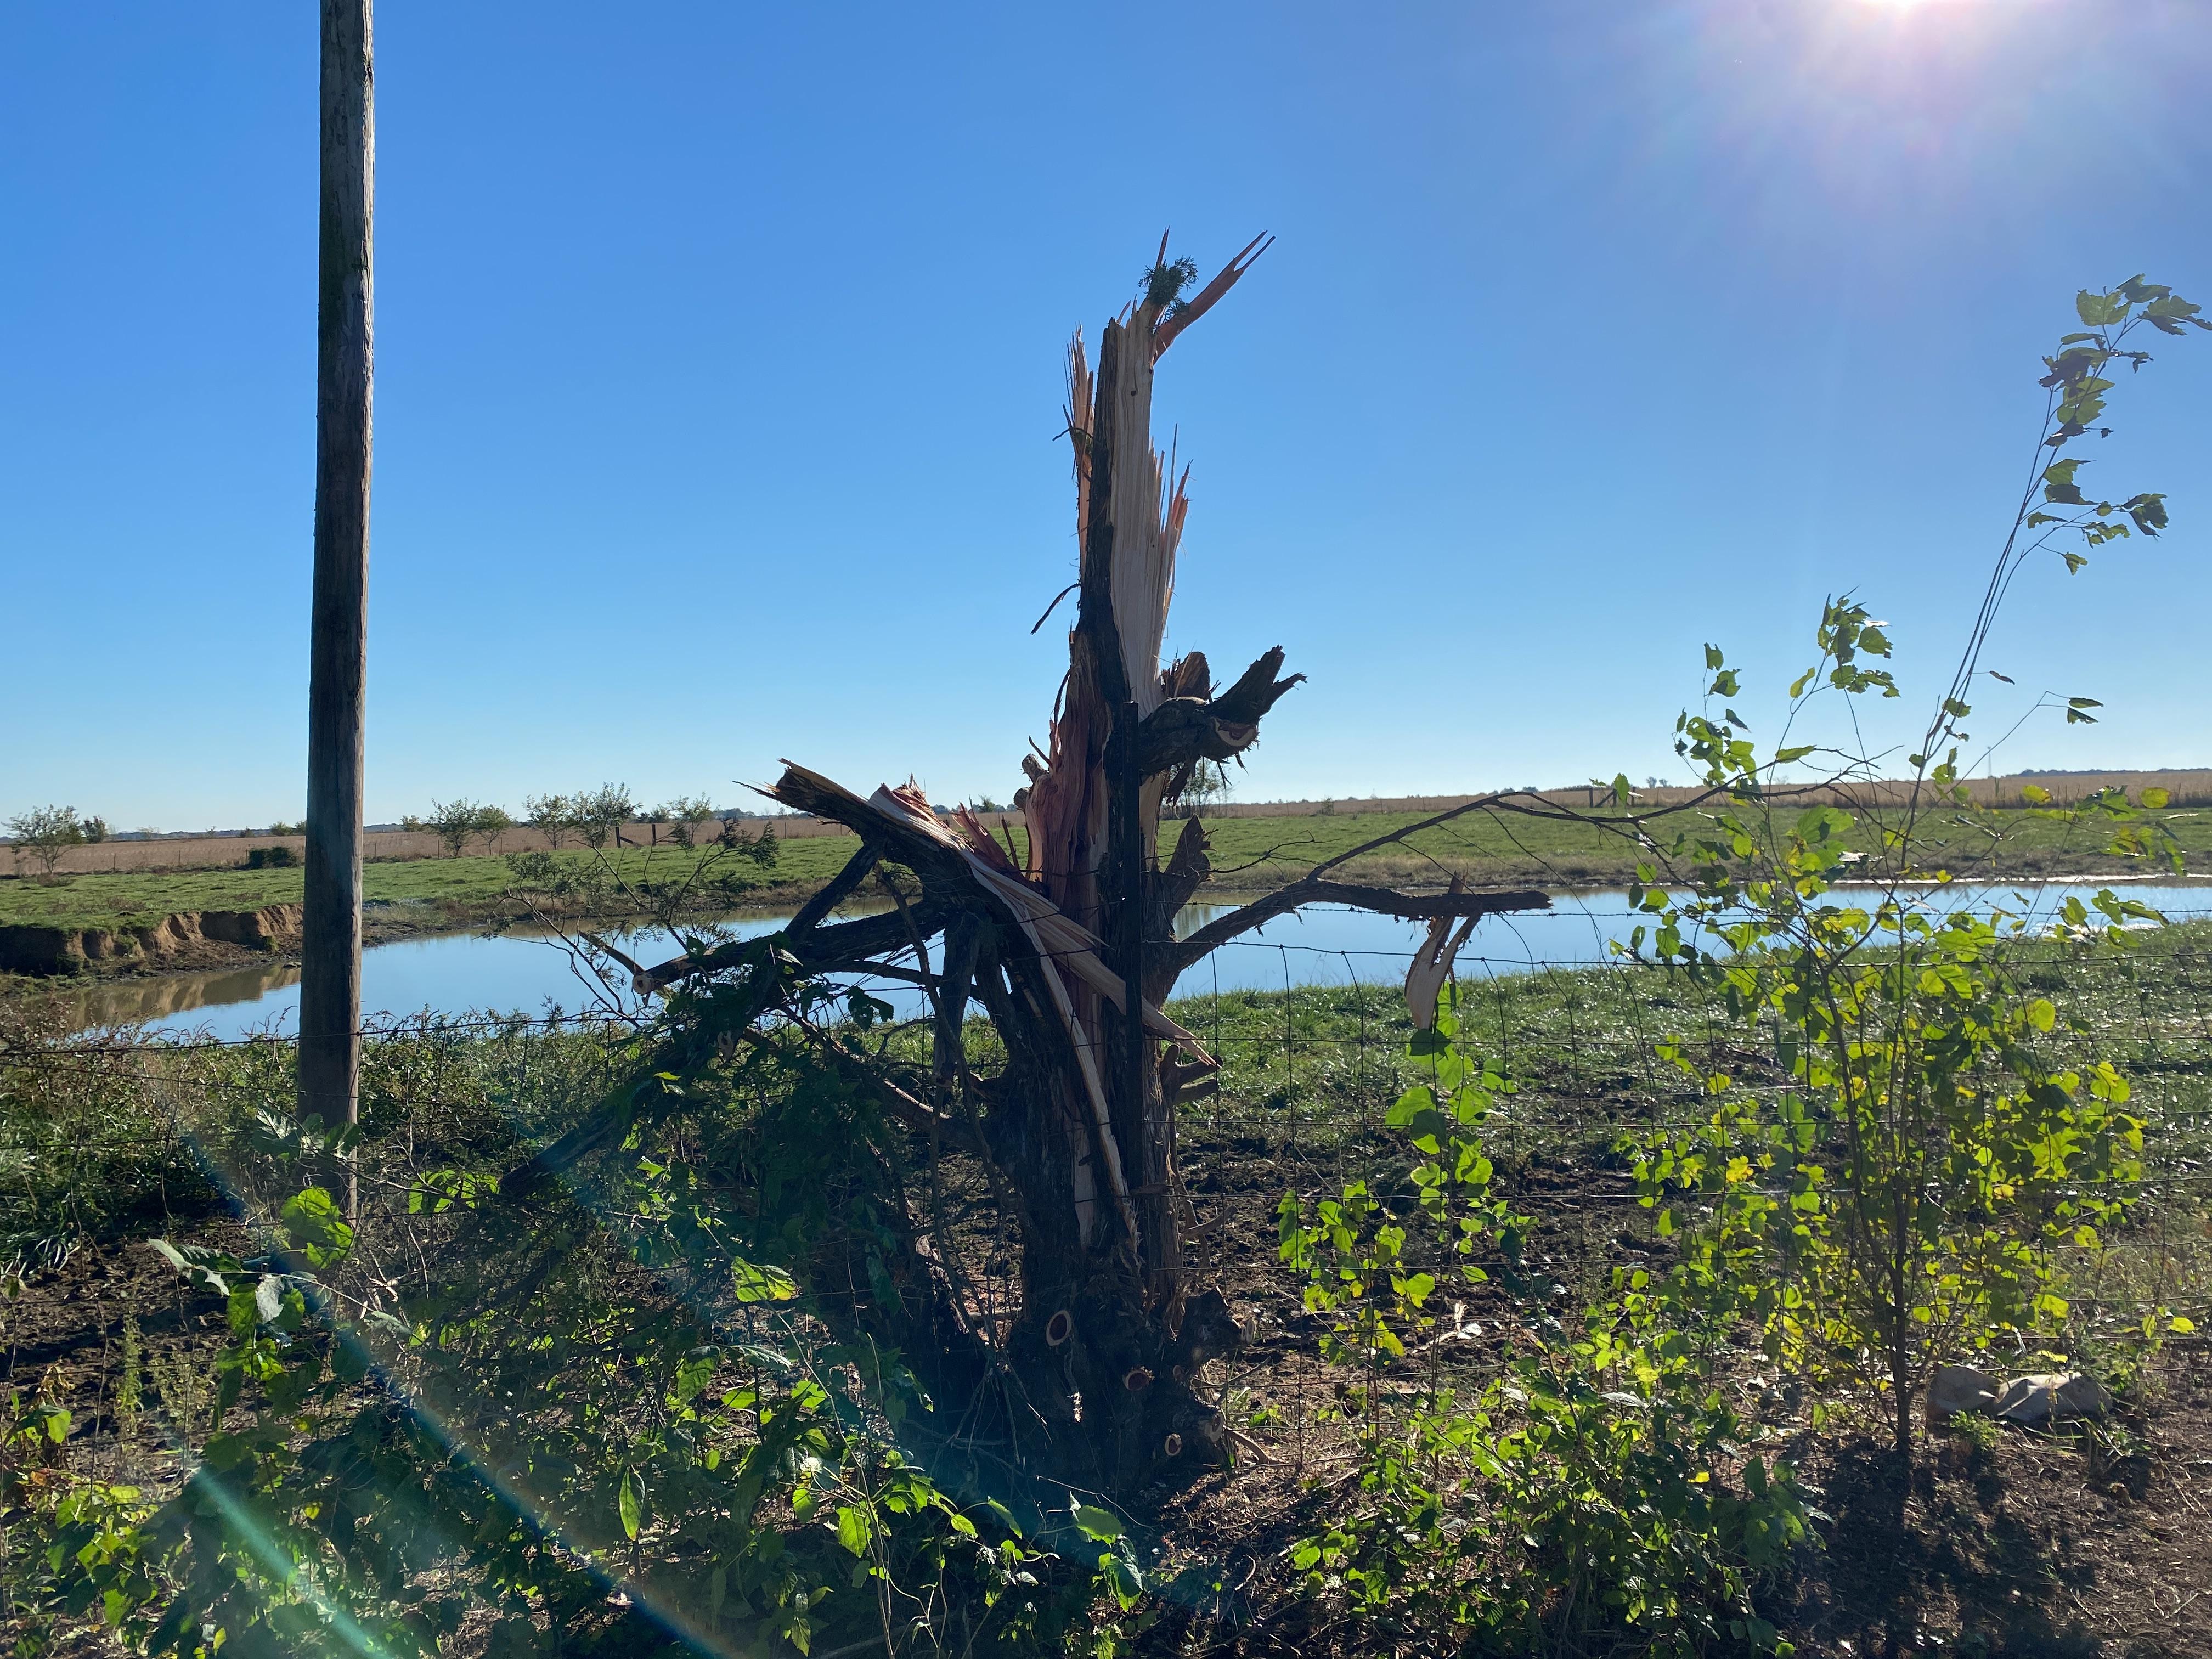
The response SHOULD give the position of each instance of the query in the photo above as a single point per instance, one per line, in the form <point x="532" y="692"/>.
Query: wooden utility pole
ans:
<point x="329" y="975"/>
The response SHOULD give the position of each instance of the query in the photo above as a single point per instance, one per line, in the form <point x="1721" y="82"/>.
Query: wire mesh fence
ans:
<point x="1311" y="1064"/>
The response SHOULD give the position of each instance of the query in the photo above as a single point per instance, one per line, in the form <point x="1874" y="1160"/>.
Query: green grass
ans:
<point x="1489" y="848"/>
<point x="1310" y="1074"/>
<point x="1317" y="1064"/>
<point x="464" y="886"/>
<point x="1248" y="855"/>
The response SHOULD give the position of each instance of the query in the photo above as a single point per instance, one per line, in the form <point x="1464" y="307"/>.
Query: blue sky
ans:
<point x="718" y="353"/>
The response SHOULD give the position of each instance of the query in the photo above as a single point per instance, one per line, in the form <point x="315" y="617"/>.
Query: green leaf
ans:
<point x="208" y="1266"/>
<point x="2099" y="310"/>
<point x="1126" y="1581"/>
<point x="758" y="1284"/>
<point x="631" y="1502"/>
<point x="1409" y="1106"/>
<point x="2155" y="797"/>
<point x="855" y="1527"/>
<point x="312" y="1220"/>
<point x="694" y="1373"/>
<point x="1621" y="789"/>
<point x="2148" y="512"/>
<point x="1100" y="1524"/>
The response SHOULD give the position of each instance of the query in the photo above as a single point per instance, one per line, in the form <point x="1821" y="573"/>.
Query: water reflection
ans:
<point x="160" y="1001"/>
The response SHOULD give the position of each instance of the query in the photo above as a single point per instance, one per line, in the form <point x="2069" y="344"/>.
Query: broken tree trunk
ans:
<point x="1071" y="954"/>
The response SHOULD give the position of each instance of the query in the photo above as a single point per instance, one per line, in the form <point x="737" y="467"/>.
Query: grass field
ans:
<point x="1249" y="855"/>
<point x="465" y="887"/>
<point x="1503" y="847"/>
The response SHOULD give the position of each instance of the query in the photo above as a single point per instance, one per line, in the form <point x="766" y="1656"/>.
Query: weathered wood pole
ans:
<point x="330" y="966"/>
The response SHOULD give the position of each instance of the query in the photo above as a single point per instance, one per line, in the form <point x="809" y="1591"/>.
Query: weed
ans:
<point x="130" y="1383"/>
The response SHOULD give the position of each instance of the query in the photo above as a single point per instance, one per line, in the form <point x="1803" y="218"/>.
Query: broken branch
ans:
<point x="1384" y="900"/>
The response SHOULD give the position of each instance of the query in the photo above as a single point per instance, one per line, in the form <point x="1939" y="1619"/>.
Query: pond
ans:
<point x="517" y="972"/>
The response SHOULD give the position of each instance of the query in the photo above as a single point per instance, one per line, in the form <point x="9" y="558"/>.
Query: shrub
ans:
<point x="551" y="816"/>
<point x="692" y="1438"/>
<point x="599" y="814"/>
<point x="1598" y="1485"/>
<point x="44" y="834"/>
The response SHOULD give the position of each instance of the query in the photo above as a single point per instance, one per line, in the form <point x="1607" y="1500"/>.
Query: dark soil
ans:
<point x="2070" y="1544"/>
<point x="2078" y="1542"/>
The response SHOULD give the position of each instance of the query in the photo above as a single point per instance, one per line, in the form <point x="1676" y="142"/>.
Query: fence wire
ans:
<point x="1310" y="1069"/>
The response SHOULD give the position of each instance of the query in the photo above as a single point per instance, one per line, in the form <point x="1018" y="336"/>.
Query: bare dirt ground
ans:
<point x="2062" y="1543"/>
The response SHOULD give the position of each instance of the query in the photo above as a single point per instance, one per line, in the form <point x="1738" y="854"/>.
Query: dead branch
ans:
<point x="1174" y="887"/>
<point x="1182" y="730"/>
<point x="1312" y="891"/>
<point x="841" y="885"/>
<point x="842" y="947"/>
<point x="1204" y="299"/>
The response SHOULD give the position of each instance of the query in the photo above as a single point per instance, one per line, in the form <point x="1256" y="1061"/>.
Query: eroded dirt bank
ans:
<point x="184" y="938"/>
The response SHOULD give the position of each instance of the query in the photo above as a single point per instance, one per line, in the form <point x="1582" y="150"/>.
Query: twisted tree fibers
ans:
<point x="1071" y="953"/>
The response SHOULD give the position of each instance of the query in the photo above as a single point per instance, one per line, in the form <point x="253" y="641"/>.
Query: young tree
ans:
<point x="1071" y="954"/>
<point x="453" y="821"/>
<point x="1204" y="788"/>
<point x="492" y="823"/>
<point x="1943" y="1131"/>
<point x="682" y="815"/>
<point x="44" y="834"/>
<point x="551" y="816"/>
<point x="600" y="814"/>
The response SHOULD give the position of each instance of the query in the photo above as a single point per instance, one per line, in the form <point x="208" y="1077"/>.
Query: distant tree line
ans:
<point x="592" y="817"/>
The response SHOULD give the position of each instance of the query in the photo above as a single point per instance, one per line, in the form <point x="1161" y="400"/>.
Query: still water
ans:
<point x="451" y="973"/>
